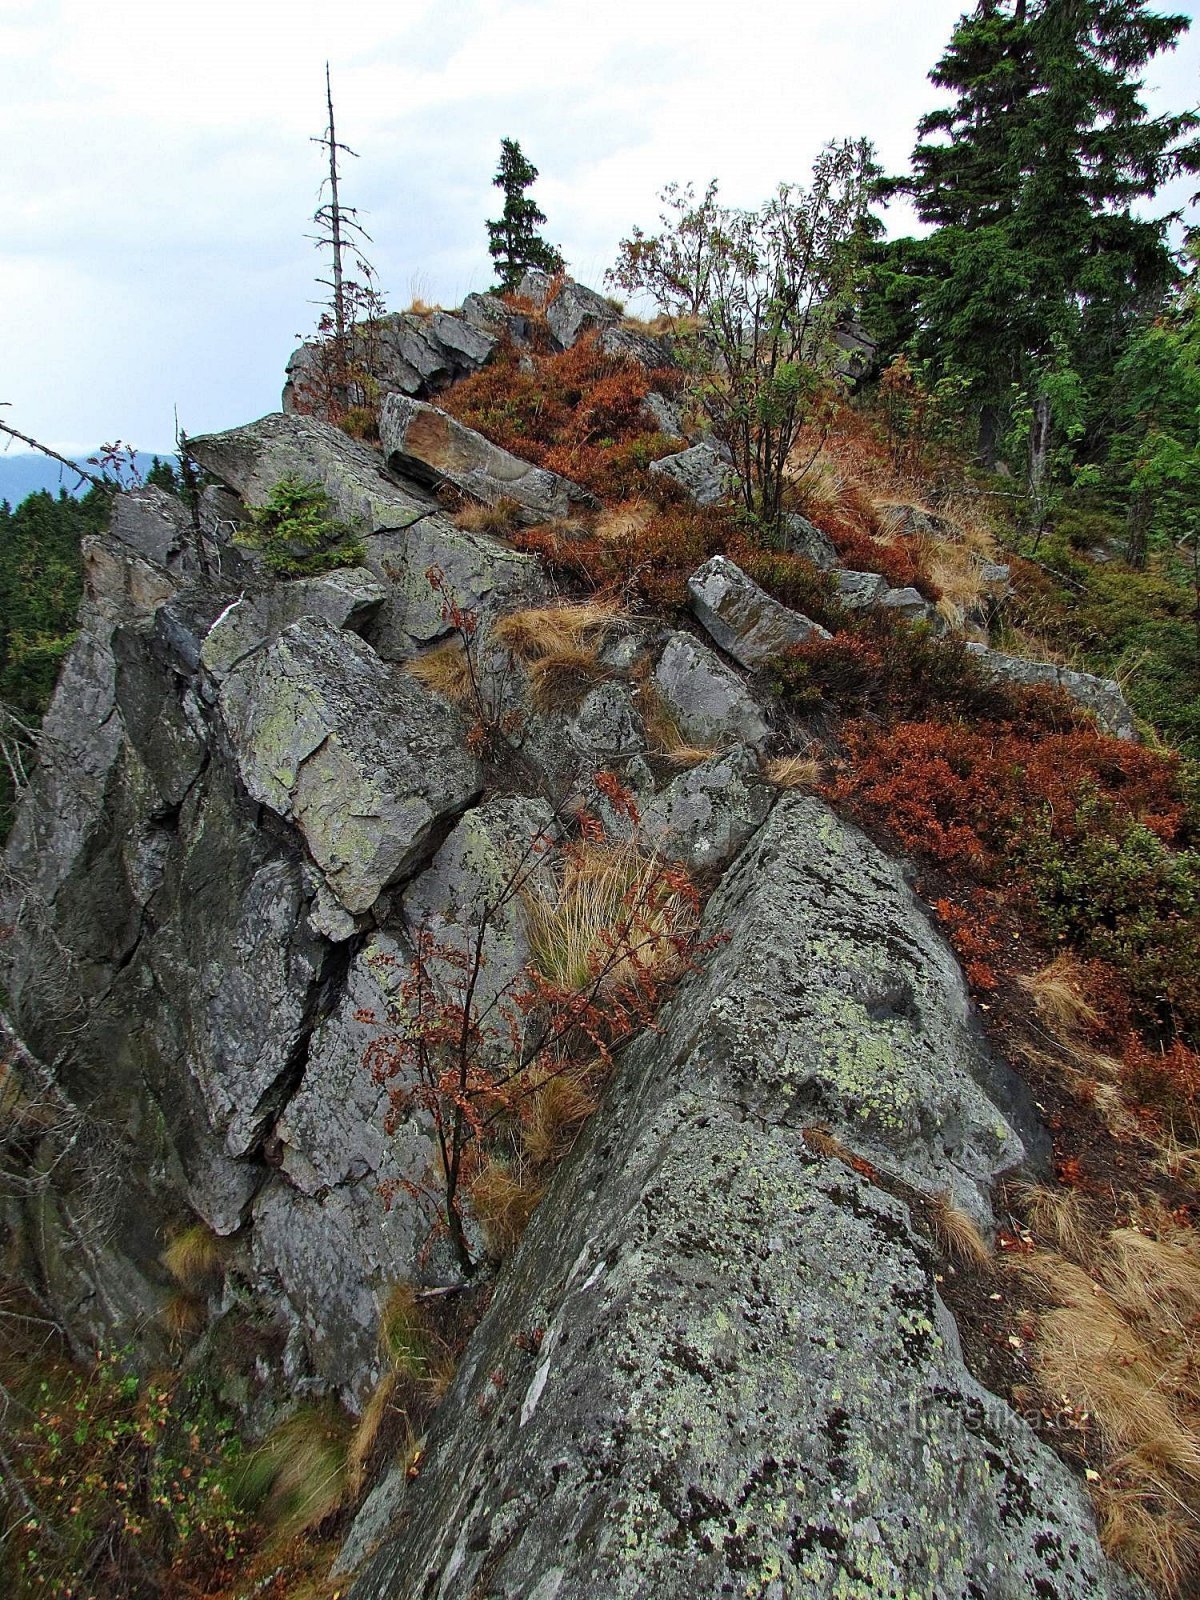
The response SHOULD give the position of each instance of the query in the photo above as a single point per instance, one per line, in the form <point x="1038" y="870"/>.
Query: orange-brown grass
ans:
<point x="556" y="1106"/>
<point x="662" y="731"/>
<point x="794" y="772"/>
<point x="381" y="1404"/>
<point x="446" y="671"/>
<point x="1120" y="1343"/>
<point x="500" y="520"/>
<point x="558" y="682"/>
<point x="503" y="1198"/>
<point x="195" y="1257"/>
<point x="539" y="631"/>
<point x="958" y="1233"/>
<point x="183" y="1315"/>
<point x="1058" y="992"/>
<point x="1058" y="1217"/>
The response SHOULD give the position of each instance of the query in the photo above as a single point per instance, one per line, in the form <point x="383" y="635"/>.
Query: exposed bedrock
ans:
<point x="718" y="1364"/>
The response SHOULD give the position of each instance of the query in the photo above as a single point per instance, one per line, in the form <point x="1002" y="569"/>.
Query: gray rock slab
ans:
<point x="428" y="445"/>
<point x="362" y="493"/>
<point x="481" y="575"/>
<point x="718" y="1363"/>
<point x="857" y="590"/>
<point x="705" y="815"/>
<point x="364" y="760"/>
<point x="804" y="538"/>
<point x="630" y="345"/>
<point x="1101" y="696"/>
<point x="662" y="415"/>
<point x="345" y="598"/>
<point x="708" y="700"/>
<point x="742" y="617"/>
<point x="576" y="310"/>
<point x="408" y="352"/>
<point x="701" y="472"/>
<point x="157" y="525"/>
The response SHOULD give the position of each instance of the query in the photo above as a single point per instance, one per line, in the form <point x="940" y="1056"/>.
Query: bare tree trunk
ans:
<point x="1138" y="528"/>
<point x="1039" y="455"/>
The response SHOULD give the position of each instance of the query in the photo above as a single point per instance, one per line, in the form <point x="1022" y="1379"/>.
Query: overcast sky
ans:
<point x="158" y="181"/>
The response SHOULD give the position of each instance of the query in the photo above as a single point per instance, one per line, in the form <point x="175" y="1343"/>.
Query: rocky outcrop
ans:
<point x="362" y="758"/>
<point x="742" y="617"/>
<point x="409" y="352"/>
<point x="1101" y="696"/>
<point x="429" y="446"/>
<point x="804" y="538"/>
<point x="701" y="472"/>
<point x="345" y="599"/>
<point x="719" y="1363"/>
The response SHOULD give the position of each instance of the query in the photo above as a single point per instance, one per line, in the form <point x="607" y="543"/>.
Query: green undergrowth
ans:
<point x="297" y="534"/>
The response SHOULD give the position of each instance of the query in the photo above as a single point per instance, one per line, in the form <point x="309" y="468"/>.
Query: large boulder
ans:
<point x="719" y="1364"/>
<point x="704" y="816"/>
<point x="742" y="617"/>
<point x="429" y="446"/>
<point x="364" y="760"/>
<point x="702" y="473"/>
<point x="253" y="459"/>
<point x="707" y="700"/>
<point x="1101" y="696"/>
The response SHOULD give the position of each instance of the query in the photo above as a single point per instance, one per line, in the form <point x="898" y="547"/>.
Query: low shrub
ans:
<point x="297" y="534"/>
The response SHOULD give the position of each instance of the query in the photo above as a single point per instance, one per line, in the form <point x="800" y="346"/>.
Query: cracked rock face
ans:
<point x="363" y="759"/>
<point x="362" y="493"/>
<point x="718" y="1364"/>
<point x="701" y="472"/>
<point x="429" y="446"/>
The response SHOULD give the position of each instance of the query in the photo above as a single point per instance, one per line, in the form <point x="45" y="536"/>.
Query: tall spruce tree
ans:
<point x="1037" y="269"/>
<point x="514" y="242"/>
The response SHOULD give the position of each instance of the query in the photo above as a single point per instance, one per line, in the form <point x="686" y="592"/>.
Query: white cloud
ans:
<point x="158" y="178"/>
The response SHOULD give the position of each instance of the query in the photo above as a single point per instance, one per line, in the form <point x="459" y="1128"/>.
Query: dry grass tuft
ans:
<point x="1120" y="1345"/>
<point x="610" y="923"/>
<point x="1057" y="1217"/>
<point x="620" y="524"/>
<point x="560" y="681"/>
<point x="445" y="671"/>
<point x="499" y="520"/>
<point x="556" y="1109"/>
<point x="794" y="772"/>
<point x="663" y="736"/>
<point x="1057" y="991"/>
<point x="503" y="1198"/>
<point x="958" y="1233"/>
<point x="363" y="1441"/>
<point x="297" y="1476"/>
<point x="556" y="630"/>
<point x="405" y="1336"/>
<point x="183" y="1315"/>
<point x="195" y="1258"/>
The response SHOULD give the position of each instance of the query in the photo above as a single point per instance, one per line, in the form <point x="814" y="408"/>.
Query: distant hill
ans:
<point x="27" y="472"/>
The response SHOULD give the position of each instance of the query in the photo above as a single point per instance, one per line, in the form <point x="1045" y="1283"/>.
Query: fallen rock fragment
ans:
<point x="742" y="617"/>
<point x="428" y="445"/>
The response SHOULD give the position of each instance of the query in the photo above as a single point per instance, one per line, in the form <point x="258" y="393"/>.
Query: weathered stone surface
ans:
<point x="701" y="472"/>
<point x="345" y="598"/>
<point x="362" y="493"/>
<point x="408" y="352"/>
<point x="631" y="345"/>
<point x="481" y="575"/>
<point x="576" y="310"/>
<point x="860" y="589"/>
<point x="908" y="603"/>
<point x="567" y="747"/>
<point x="157" y="525"/>
<point x="742" y="617"/>
<point x="1101" y="696"/>
<point x="662" y="415"/>
<point x="358" y="755"/>
<point x="708" y="700"/>
<point x="718" y="1363"/>
<point x="429" y="446"/>
<point x="705" y="815"/>
<point x="804" y="538"/>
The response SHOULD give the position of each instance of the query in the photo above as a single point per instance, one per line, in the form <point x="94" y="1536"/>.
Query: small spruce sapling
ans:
<point x="514" y="242"/>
